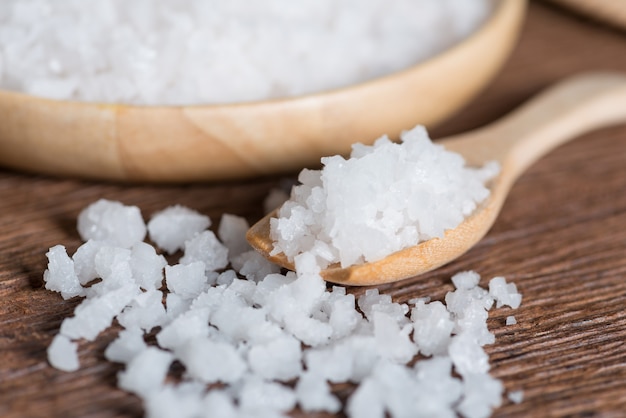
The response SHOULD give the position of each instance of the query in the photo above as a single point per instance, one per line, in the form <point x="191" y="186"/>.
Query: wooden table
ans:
<point x="561" y="238"/>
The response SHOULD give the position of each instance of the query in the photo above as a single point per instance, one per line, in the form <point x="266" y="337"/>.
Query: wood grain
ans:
<point x="561" y="237"/>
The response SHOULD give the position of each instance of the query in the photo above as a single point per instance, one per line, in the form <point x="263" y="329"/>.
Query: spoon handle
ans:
<point x="572" y="107"/>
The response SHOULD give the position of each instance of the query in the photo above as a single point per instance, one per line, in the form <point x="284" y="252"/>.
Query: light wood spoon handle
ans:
<point x="563" y="112"/>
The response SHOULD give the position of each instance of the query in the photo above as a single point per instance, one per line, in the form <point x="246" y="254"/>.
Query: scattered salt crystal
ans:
<point x="171" y="227"/>
<point x="313" y="394"/>
<point x="210" y="361"/>
<point x="510" y="320"/>
<point x="433" y="325"/>
<point x="96" y="314"/>
<point x="62" y="354"/>
<point x="482" y="393"/>
<point x="262" y="397"/>
<point x="112" y="222"/>
<point x="504" y="293"/>
<point x="146" y="371"/>
<point x="366" y="401"/>
<point x="206" y="247"/>
<point x="126" y="346"/>
<point x="84" y="261"/>
<point x="516" y="396"/>
<point x="467" y="355"/>
<point x="393" y="342"/>
<point x="145" y="311"/>
<point x="60" y="275"/>
<point x="279" y="359"/>
<point x="186" y="280"/>
<point x="147" y="266"/>
<point x="247" y="335"/>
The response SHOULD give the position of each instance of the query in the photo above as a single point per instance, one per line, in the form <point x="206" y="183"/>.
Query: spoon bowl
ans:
<point x="563" y="112"/>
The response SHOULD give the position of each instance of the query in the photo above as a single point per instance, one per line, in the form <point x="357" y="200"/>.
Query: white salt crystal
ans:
<point x="232" y="232"/>
<point x="145" y="372"/>
<point x="147" y="266"/>
<point x="112" y="222"/>
<point x="366" y="401"/>
<point x="171" y="227"/>
<point x="175" y="305"/>
<point x="95" y="314"/>
<point x="279" y="359"/>
<point x="184" y="400"/>
<point x="504" y="293"/>
<point x="84" y="261"/>
<point x="62" y="354"/>
<point x="226" y="277"/>
<point x="146" y="311"/>
<point x="258" y="395"/>
<point x="254" y="266"/>
<point x="210" y="361"/>
<point x="206" y="247"/>
<point x="112" y="265"/>
<point x="482" y="393"/>
<point x="220" y="404"/>
<point x="185" y="327"/>
<point x="126" y="346"/>
<point x="332" y="362"/>
<point x="466" y="280"/>
<point x="186" y="280"/>
<point x="432" y="327"/>
<point x="516" y="396"/>
<point x="393" y="342"/>
<point x="60" y="275"/>
<point x="510" y="320"/>
<point x="467" y="355"/>
<point x="313" y="394"/>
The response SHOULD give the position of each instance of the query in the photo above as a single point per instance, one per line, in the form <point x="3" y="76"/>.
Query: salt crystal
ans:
<point x="432" y="327"/>
<point x="186" y="280"/>
<point x="510" y="320"/>
<point x="313" y="394"/>
<point x="96" y="314"/>
<point x="126" y="346"/>
<point x="112" y="222"/>
<point x="84" y="261"/>
<point x="171" y="227"/>
<point x="146" y="371"/>
<point x="279" y="359"/>
<point x="146" y="311"/>
<point x="62" y="354"/>
<point x="60" y="275"/>
<point x="259" y="396"/>
<point x="147" y="266"/>
<point x="206" y="247"/>
<point x="210" y="361"/>
<point x="482" y="393"/>
<point x="516" y="396"/>
<point x="504" y="293"/>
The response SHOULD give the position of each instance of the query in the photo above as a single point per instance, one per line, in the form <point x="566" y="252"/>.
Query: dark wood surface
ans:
<point x="561" y="238"/>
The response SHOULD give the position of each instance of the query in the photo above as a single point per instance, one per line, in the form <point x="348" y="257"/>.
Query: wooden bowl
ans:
<point x="204" y="143"/>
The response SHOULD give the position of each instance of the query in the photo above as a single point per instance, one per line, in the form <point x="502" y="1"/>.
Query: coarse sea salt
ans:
<point x="220" y="51"/>
<point x="261" y="347"/>
<point x="384" y="198"/>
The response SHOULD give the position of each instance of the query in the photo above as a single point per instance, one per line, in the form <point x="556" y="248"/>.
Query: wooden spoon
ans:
<point x="563" y="112"/>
